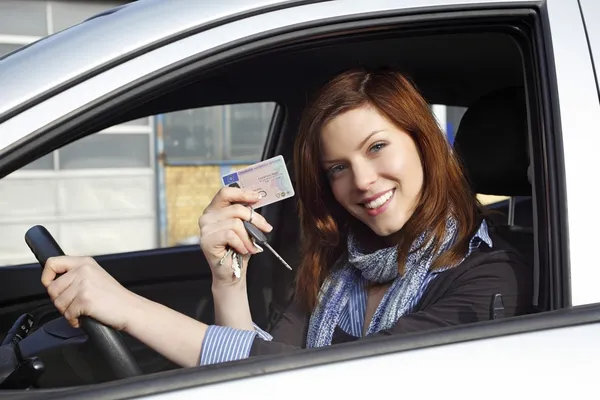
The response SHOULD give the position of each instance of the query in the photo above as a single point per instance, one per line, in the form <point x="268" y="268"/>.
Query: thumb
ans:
<point x="59" y="265"/>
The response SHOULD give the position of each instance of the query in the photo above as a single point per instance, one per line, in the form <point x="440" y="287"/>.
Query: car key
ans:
<point x="227" y="254"/>
<point x="237" y="263"/>
<point x="261" y="239"/>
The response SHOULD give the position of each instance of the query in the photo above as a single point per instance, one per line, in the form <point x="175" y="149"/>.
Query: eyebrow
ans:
<point x="361" y="144"/>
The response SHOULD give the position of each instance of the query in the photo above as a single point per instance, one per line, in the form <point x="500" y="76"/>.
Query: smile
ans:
<point x="379" y="201"/>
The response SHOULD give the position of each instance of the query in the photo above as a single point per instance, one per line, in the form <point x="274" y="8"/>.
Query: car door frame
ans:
<point x="127" y="80"/>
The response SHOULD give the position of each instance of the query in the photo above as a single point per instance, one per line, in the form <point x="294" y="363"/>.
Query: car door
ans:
<point x="498" y="346"/>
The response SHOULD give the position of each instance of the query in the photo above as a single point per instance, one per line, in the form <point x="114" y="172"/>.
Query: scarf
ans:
<point x="377" y="266"/>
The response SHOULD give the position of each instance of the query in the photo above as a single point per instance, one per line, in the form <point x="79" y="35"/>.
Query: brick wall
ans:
<point x="189" y="189"/>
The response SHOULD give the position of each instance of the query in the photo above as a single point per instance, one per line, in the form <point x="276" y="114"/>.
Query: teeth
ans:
<point x="378" y="202"/>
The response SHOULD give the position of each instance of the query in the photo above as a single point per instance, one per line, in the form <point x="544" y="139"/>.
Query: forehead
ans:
<point x="350" y="128"/>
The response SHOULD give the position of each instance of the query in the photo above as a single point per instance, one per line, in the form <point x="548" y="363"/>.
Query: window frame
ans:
<point x="62" y="127"/>
<point x="179" y="70"/>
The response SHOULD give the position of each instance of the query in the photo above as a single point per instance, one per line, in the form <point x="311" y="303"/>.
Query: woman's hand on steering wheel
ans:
<point x="84" y="288"/>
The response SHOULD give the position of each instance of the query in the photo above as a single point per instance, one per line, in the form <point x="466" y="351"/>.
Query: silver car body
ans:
<point x="65" y="80"/>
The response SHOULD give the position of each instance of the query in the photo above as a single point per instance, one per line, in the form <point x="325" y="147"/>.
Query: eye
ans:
<point x="377" y="147"/>
<point x="335" y="169"/>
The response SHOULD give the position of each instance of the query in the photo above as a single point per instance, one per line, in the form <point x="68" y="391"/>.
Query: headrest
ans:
<point x="491" y="141"/>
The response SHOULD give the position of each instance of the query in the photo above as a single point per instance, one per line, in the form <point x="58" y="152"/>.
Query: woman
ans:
<point x="393" y="240"/>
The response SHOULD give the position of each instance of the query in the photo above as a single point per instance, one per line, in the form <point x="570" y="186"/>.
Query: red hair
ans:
<point x="324" y="221"/>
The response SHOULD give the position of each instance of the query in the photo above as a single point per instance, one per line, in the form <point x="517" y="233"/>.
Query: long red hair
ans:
<point x="324" y="222"/>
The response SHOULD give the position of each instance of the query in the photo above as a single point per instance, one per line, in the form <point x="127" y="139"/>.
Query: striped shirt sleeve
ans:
<point x="262" y="334"/>
<point x="223" y="343"/>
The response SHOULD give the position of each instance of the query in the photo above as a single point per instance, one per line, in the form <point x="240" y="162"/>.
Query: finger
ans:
<point x="72" y="314"/>
<point x="231" y="239"/>
<point x="229" y="195"/>
<point x="81" y="301"/>
<point x="238" y="211"/>
<point x="61" y="265"/>
<point x="64" y="300"/>
<point x="237" y="227"/>
<point x="59" y="285"/>
<point x="259" y="221"/>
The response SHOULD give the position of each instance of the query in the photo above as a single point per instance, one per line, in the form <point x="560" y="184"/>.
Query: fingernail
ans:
<point x="269" y="228"/>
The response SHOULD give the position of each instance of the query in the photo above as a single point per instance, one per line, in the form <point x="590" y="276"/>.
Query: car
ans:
<point x="526" y="73"/>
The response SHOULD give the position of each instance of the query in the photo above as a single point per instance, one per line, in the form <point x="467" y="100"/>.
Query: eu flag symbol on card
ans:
<point x="231" y="178"/>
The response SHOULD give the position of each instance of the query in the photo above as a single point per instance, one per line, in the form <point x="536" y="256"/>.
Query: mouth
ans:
<point x="379" y="203"/>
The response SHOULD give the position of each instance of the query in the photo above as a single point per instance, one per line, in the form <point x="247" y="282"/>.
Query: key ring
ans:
<point x="227" y="254"/>
<point x="251" y="214"/>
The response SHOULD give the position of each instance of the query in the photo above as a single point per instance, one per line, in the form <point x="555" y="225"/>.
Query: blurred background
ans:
<point x="113" y="191"/>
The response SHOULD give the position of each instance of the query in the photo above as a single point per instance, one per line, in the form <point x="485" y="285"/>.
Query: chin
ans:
<point x="387" y="228"/>
<point x="384" y="231"/>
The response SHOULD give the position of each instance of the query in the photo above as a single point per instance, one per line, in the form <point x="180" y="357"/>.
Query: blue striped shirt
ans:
<point x="223" y="343"/>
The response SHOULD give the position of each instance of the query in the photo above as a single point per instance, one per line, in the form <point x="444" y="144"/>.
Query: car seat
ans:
<point x="492" y="143"/>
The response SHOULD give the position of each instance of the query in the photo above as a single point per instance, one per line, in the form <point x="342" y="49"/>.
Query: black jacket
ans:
<point x="457" y="296"/>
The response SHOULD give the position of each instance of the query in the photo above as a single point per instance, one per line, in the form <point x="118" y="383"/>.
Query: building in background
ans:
<point x="111" y="191"/>
<point x="25" y="21"/>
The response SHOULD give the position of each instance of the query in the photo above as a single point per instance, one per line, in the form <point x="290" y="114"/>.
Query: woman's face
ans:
<point x="373" y="167"/>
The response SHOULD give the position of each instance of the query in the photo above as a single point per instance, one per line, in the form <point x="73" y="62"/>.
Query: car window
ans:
<point x="117" y="187"/>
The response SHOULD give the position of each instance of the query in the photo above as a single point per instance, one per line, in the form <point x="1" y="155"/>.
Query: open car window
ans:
<point x="117" y="181"/>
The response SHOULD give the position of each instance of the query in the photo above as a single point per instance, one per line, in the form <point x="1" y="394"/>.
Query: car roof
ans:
<point x="108" y="37"/>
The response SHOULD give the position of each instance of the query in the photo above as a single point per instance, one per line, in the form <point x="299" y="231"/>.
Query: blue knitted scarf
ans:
<point x="376" y="266"/>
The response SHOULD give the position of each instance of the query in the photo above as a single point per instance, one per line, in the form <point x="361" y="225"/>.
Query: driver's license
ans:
<point x="270" y="178"/>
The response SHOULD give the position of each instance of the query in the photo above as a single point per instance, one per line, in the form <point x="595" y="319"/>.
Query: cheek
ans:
<point x="395" y="167"/>
<point x="339" y="190"/>
<point x="407" y="171"/>
<point x="336" y="189"/>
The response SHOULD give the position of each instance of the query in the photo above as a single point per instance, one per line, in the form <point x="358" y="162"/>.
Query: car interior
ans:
<point x="480" y="70"/>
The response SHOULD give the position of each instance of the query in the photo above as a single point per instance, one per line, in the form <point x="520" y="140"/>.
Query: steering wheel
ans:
<point x="106" y="339"/>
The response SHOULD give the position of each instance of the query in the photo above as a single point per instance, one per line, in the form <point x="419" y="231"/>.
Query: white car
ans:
<point x="525" y="70"/>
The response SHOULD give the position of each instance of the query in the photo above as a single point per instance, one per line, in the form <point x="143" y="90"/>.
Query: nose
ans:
<point x="364" y="176"/>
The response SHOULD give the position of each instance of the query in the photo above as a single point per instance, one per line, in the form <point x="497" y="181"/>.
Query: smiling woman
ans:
<point x="393" y="239"/>
<point x="389" y="167"/>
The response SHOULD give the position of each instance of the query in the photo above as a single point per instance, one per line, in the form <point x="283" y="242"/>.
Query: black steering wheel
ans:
<point x="106" y="339"/>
